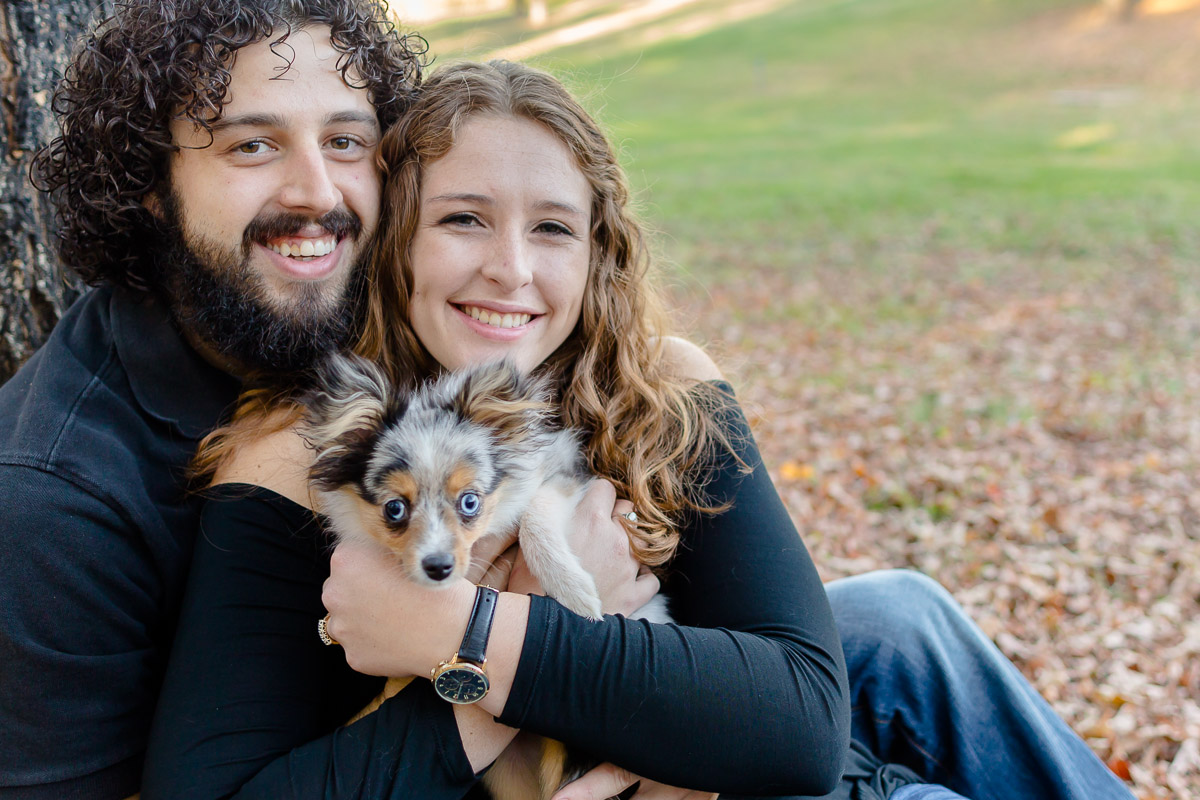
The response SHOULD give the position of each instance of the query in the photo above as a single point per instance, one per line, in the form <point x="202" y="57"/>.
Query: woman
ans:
<point x="504" y="199"/>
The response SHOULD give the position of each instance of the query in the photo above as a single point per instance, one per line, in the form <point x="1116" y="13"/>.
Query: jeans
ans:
<point x="924" y="791"/>
<point x="930" y="691"/>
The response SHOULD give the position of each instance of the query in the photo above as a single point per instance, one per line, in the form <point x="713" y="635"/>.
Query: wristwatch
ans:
<point x="463" y="679"/>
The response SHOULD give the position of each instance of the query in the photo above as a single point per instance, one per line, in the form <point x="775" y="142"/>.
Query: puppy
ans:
<point x="469" y="455"/>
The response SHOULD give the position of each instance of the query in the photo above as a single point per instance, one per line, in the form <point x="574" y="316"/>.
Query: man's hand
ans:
<point x="609" y="780"/>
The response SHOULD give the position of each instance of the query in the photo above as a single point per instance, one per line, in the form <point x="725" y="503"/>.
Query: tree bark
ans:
<point x="36" y="40"/>
<point x="1121" y="9"/>
<point x="535" y="11"/>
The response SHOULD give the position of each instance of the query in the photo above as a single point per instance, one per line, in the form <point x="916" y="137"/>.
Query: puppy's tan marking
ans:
<point x="401" y="485"/>
<point x="461" y="478"/>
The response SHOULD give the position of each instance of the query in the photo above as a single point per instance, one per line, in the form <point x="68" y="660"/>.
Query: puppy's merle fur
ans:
<point x="471" y="454"/>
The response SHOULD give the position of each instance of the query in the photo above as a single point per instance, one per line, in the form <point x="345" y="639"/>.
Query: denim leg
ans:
<point x="929" y="690"/>
<point x="925" y="791"/>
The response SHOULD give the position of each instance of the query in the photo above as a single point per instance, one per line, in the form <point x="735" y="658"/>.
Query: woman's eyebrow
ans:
<point x="467" y="197"/>
<point x="561" y="206"/>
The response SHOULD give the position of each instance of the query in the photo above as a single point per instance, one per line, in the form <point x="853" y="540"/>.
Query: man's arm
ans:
<point x="82" y="609"/>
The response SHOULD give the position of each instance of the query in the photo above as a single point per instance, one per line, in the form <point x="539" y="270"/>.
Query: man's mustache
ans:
<point x="339" y="222"/>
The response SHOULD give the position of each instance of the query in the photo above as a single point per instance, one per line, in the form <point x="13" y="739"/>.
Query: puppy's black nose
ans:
<point x="438" y="566"/>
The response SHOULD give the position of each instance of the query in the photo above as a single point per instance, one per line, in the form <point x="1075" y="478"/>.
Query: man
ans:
<point x="215" y="176"/>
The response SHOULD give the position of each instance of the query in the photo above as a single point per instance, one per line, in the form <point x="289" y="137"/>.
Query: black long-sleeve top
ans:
<point x="746" y="694"/>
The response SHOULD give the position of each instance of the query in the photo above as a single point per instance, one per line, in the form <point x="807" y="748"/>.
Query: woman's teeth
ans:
<point x="497" y="320"/>
<point x="305" y="248"/>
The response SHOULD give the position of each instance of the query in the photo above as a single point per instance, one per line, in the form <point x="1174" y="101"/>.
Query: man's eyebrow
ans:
<point x="262" y="120"/>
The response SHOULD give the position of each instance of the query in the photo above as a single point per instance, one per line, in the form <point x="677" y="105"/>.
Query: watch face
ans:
<point x="461" y="683"/>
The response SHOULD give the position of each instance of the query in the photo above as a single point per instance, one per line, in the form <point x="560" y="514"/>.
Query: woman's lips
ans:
<point x="496" y="319"/>
<point x="492" y="326"/>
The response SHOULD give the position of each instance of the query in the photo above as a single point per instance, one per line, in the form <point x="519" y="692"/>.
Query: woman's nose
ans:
<point x="509" y="265"/>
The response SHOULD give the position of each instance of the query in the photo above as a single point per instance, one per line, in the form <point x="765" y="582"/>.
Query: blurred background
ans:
<point x="947" y="250"/>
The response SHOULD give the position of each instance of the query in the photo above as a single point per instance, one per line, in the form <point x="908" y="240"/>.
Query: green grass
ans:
<point x="851" y="131"/>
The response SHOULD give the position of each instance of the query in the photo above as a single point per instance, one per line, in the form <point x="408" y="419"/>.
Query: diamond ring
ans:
<point x="323" y="631"/>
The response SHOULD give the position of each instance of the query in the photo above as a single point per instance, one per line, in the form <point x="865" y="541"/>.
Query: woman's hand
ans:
<point x="492" y="560"/>
<point x="600" y="540"/>
<point x="609" y="780"/>
<point x="388" y="624"/>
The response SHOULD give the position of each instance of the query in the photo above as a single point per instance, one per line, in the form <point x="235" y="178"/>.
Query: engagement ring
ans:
<point x="322" y="631"/>
<point x="631" y="516"/>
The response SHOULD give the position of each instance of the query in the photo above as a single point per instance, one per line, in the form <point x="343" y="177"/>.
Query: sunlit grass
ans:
<point x="848" y="130"/>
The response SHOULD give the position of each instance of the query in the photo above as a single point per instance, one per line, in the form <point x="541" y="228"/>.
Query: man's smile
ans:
<point x="297" y="247"/>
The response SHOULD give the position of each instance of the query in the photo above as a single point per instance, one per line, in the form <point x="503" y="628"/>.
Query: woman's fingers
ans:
<point x="645" y="586"/>
<point x="498" y="572"/>
<point x="599" y="783"/>
<point x="600" y="539"/>
<point x="485" y="554"/>
<point x="608" y="780"/>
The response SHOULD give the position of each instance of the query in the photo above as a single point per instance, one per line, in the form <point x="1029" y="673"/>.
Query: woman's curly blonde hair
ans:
<point x="650" y="432"/>
<point x="645" y="429"/>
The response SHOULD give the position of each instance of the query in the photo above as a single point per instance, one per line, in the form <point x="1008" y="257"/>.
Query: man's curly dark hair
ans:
<point x="154" y="60"/>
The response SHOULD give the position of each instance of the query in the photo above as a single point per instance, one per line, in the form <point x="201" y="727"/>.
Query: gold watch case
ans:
<point x="460" y="682"/>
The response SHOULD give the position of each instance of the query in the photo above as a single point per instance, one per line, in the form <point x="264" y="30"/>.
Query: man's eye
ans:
<point x="252" y="148"/>
<point x="342" y="143"/>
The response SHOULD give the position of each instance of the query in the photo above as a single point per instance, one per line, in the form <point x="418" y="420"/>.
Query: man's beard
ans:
<point x="216" y="295"/>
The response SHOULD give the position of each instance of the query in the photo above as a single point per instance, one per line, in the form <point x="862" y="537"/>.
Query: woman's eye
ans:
<point x="394" y="510"/>
<point x="469" y="504"/>
<point x="461" y="219"/>
<point x="556" y="228"/>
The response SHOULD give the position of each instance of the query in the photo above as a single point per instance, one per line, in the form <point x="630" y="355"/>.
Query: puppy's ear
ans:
<point x="348" y="393"/>
<point x="344" y="461"/>
<point x="500" y="397"/>
<point x="350" y="403"/>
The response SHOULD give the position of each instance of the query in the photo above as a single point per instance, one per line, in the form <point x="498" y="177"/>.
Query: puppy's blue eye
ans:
<point x="394" y="510"/>
<point x="469" y="504"/>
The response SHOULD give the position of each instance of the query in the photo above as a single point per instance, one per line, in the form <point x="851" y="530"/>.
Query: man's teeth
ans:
<point x="497" y="320"/>
<point x="305" y="248"/>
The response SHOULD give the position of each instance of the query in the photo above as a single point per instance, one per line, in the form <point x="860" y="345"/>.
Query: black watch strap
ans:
<point x="479" y="626"/>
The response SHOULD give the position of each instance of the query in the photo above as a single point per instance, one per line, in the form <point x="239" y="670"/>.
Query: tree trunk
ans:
<point x="535" y="11"/>
<point x="36" y="38"/>
<point x="1121" y="9"/>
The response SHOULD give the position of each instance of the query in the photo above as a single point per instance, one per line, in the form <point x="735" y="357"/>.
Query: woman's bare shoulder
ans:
<point x="278" y="460"/>
<point x="688" y="360"/>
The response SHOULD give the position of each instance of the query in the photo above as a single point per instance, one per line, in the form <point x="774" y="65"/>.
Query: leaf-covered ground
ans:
<point x="1030" y="442"/>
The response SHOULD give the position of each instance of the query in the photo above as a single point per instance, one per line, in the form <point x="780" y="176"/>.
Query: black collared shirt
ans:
<point x="96" y="531"/>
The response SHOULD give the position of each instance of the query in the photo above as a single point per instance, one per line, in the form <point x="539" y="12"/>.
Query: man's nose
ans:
<point x="509" y="265"/>
<point x="308" y="185"/>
